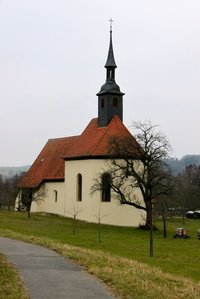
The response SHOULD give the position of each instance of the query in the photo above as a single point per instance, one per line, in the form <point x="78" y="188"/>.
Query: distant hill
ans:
<point x="178" y="165"/>
<point x="8" y="172"/>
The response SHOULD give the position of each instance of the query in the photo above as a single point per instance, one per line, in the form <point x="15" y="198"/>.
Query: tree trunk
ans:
<point x="28" y="208"/>
<point x="183" y="215"/>
<point x="164" y="228"/>
<point x="164" y="221"/>
<point x="99" y="231"/>
<point x="29" y="214"/>
<point x="149" y="216"/>
<point x="149" y="225"/>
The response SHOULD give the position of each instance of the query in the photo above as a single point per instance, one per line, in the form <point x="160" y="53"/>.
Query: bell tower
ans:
<point x="110" y="98"/>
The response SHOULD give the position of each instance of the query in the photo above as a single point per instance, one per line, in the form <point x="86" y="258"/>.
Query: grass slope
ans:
<point x="11" y="286"/>
<point x="122" y="258"/>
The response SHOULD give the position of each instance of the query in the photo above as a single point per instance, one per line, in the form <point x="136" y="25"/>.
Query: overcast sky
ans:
<point x="52" y="56"/>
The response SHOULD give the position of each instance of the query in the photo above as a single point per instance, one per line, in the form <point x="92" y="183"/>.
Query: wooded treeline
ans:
<point x="8" y="191"/>
<point x="185" y="194"/>
<point x="178" y="165"/>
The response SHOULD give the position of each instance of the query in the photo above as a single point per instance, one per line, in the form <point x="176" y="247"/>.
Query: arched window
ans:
<point x="79" y="187"/>
<point x="115" y="102"/>
<point x="106" y="191"/>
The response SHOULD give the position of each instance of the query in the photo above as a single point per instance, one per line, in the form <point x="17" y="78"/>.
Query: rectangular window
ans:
<point x="79" y="187"/>
<point x="55" y="195"/>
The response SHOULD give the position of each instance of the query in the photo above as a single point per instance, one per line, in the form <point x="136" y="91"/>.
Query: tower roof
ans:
<point x="110" y="86"/>
<point x="110" y="63"/>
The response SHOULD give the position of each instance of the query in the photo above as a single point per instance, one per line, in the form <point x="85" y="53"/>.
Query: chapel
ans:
<point x="65" y="169"/>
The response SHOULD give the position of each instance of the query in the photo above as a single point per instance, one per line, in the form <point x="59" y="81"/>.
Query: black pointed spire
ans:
<point x="110" y="86"/>
<point x="110" y="98"/>
<point x="110" y="63"/>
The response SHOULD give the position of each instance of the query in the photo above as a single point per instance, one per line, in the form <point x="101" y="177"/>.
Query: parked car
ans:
<point x="193" y="214"/>
<point x="197" y="214"/>
<point x="190" y="214"/>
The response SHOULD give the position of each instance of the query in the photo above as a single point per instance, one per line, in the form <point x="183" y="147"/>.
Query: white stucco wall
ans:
<point x="88" y="209"/>
<point x="48" y="203"/>
<point x="91" y="207"/>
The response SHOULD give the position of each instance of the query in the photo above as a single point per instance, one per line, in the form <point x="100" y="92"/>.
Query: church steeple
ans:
<point x="110" y="98"/>
<point x="110" y="63"/>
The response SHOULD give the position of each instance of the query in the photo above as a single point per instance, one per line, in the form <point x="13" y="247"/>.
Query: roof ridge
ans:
<point x="64" y="137"/>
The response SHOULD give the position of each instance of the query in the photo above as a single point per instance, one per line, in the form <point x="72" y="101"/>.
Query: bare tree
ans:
<point x="138" y="164"/>
<point x="99" y="216"/>
<point x="76" y="209"/>
<point x="163" y="213"/>
<point x="29" y="195"/>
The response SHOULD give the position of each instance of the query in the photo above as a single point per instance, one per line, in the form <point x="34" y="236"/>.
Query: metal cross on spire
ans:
<point x="111" y="21"/>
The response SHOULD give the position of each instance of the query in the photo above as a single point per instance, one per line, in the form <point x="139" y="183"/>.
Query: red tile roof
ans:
<point x="93" y="142"/>
<point x="49" y="165"/>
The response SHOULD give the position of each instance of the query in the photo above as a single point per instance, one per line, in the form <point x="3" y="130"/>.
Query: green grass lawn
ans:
<point x="176" y="256"/>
